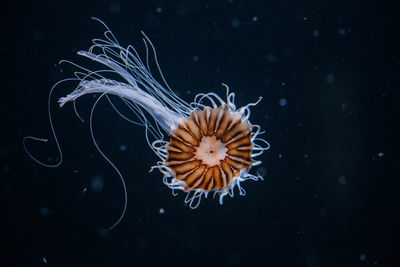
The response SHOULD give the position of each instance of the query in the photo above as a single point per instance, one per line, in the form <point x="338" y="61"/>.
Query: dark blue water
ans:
<point x="328" y="72"/>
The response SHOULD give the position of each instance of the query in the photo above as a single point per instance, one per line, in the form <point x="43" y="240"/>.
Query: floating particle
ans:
<point x="161" y="211"/>
<point x="235" y="22"/>
<point x="44" y="260"/>
<point x="115" y="7"/>
<point x="283" y="102"/>
<point x="103" y="232"/>
<point x="122" y="147"/>
<point x="363" y="257"/>
<point x="322" y="212"/>
<point x="84" y="190"/>
<point x="330" y="78"/>
<point x="6" y="168"/>
<point x="342" y="180"/>
<point x="271" y="58"/>
<point x="44" y="211"/>
<point x="181" y="9"/>
<point x="75" y="171"/>
<point x="159" y="9"/>
<point x="342" y="31"/>
<point x="316" y="33"/>
<point x="97" y="183"/>
<point x="3" y="153"/>
<point x="38" y="35"/>
<point x="255" y="18"/>
<point x="195" y="58"/>
<point x="381" y="154"/>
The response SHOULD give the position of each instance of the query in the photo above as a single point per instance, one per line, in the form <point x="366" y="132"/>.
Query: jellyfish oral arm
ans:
<point x="166" y="118"/>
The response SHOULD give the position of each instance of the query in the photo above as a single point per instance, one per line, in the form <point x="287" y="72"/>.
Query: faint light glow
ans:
<point x="181" y="9"/>
<point x="266" y="81"/>
<point x="44" y="211"/>
<point x="122" y="147"/>
<point x="159" y="9"/>
<point x="115" y="7"/>
<point x="44" y="260"/>
<point x="96" y="184"/>
<point x="255" y="18"/>
<point x="363" y="257"/>
<point x="84" y="190"/>
<point x="75" y="171"/>
<point x="235" y="22"/>
<point x="330" y="78"/>
<point x="161" y="211"/>
<point x="271" y="58"/>
<point x="195" y="58"/>
<point x="316" y="33"/>
<point x="342" y="31"/>
<point x="322" y="212"/>
<point x="103" y="232"/>
<point x="6" y="168"/>
<point x="381" y="154"/>
<point x="283" y="102"/>
<point x="342" y="180"/>
<point x="38" y="35"/>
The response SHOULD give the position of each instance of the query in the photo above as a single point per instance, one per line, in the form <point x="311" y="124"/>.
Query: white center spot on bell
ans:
<point x="211" y="151"/>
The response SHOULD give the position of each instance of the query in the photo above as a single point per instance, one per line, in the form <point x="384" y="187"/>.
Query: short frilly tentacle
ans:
<point x="193" y="199"/>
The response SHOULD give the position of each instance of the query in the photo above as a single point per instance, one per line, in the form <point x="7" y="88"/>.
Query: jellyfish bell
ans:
<point x="211" y="145"/>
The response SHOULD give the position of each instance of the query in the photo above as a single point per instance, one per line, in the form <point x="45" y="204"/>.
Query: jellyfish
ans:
<point x="207" y="146"/>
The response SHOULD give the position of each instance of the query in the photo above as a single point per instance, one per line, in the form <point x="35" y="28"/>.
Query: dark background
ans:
<point x="331" y="191"/>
